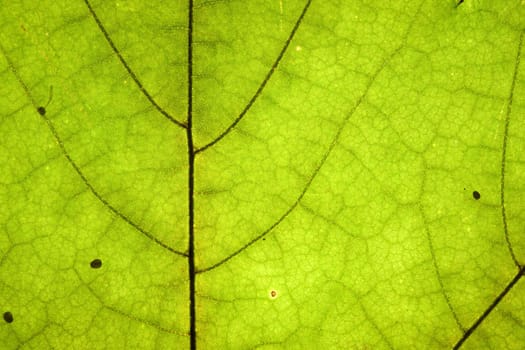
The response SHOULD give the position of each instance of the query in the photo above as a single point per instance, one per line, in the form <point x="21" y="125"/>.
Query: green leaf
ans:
<point x="262" y="174"/>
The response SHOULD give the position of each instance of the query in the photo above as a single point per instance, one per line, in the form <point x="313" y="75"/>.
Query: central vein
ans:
<point x="191" y="167"/>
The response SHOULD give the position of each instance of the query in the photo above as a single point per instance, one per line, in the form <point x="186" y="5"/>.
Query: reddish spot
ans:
<point x="273" y="293"/>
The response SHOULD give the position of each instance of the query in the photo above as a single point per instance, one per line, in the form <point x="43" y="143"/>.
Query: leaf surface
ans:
<point x="270" y="175"/>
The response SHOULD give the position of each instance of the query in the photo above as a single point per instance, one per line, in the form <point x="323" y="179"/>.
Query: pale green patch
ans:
<point x="337" y="213"/>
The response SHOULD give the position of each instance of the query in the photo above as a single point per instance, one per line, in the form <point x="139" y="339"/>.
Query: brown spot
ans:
<point x="8" y="317"/>
<point x="273" y="293"/>
<point x="96" y="264"/>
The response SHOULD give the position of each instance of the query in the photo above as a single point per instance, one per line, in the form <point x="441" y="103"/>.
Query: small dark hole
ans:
<point x="96" y="264"/>
<point x="476" y="195"/>
<point x="8" y="317"/>
<point x="41" y="110"/>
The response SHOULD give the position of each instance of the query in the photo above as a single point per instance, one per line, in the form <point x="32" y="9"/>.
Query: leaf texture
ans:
<point x="262" y="175"/>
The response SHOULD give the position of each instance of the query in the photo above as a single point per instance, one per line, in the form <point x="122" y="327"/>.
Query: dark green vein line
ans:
<point x="504" y="151"/>
<point x="122" y="313"/>
<point x="128" y="69"/>
<point x="438" y="273"/>
<point x="191" y="189"/>
<point x="314" y="174"/>
<point x="141" y="320"/>
<point x="492" y="306"/>
<point x="75" y="166"/>
<point x="263" y="84"/>
<point x="327" y="220"/>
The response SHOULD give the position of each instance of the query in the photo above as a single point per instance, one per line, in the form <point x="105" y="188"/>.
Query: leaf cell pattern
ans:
<point x="313" y="216"/>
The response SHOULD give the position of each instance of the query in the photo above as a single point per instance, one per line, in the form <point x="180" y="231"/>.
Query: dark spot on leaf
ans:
<point x="96" y="264"/>
<point x="41" y="110"/>
<point x="476" y="195"/>
<point x="8" y="317"/>
<point x="459" y="2"/>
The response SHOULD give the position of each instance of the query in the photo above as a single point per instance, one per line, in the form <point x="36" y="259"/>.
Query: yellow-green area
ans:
<point x="359" y="175"/>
